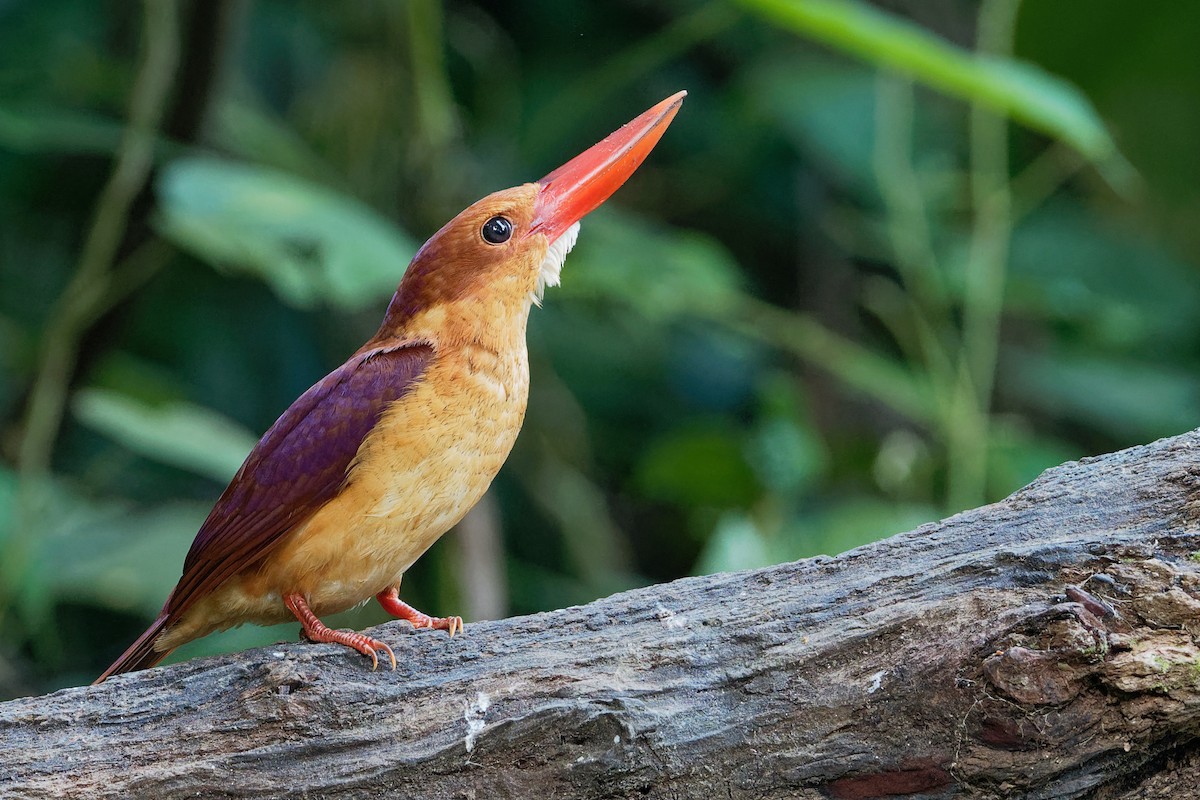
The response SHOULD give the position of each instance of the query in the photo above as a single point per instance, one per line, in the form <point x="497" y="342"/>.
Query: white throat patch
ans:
<point x="550" y="273"/>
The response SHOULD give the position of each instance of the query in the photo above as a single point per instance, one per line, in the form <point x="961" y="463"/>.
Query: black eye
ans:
<point x="497" y="230"/>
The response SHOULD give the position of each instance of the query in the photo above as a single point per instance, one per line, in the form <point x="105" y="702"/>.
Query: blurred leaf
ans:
<point x="610" y="78"/>
<point x="784" y="450"/>
<point x="594" y="545"/>
<point x="903" y="465"/>
<point x="664" y="273"/>
<point x="108" y="555"/>
<point x="533" y="586"/>
<point x="94" y="551"/>
<point x="698" y="468"/>
<point x="250" y="131"/>
<point x="713" y="369"/>
<point x="16" y="354"/>
<point x="1021" y="90"/>
<point x="850" y="523"/>
<point x="54" y="130"/>
<point x="830" y="114"/>
<point x="1128" y="399"/>
<point x="129" y="562"/>
<point x="736" y="544"/>
<point x="311" y="244"/>
<point x="8" y="509"/>
<point x="881" y="377"/>
<point x="1017" y="456"/>
<point x="669" y="274"/>
<point x="1069" y="264"/>
<point x="177" y="433"/>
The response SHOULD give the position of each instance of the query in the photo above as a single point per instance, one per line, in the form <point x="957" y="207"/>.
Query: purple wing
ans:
<point x="297" y="466"/>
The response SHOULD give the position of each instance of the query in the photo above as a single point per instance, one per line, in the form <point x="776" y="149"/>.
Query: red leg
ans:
<point x="317" y="631"/>
<point x="391" y="602"/>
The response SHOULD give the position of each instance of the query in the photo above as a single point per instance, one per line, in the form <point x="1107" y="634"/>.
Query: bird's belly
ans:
<point x="429" y="459"/>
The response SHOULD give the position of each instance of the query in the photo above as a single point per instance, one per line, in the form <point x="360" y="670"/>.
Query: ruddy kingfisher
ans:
<point x="386" y="453"/>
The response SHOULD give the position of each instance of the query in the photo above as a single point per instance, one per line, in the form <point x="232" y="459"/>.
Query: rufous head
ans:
<point x="514" y="241"/>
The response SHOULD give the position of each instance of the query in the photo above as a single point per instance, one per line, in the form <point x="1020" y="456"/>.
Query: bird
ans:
<point x="374" y="462"/>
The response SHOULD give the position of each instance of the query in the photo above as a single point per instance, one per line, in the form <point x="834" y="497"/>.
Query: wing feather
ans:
<point x="297" y="466"/>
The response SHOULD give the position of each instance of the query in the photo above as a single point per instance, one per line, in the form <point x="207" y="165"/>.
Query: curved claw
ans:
<point x="452" y="625"/>
<point x="391" y="602"/>
<point x="317" y="631"/>
<point x="364" y="644"/>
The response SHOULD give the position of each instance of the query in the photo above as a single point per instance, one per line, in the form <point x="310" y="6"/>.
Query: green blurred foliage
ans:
<point x="889" y="262"/>
<point x="309" y="244"/>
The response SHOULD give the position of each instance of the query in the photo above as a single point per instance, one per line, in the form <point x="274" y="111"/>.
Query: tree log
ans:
<point x="1041" y="647"/>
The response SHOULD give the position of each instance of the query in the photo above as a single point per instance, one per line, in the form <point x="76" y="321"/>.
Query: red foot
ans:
<point x="317" y="631"/>
<point x="391" y="602"/>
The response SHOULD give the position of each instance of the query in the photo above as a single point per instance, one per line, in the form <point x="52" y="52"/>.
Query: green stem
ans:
<point x="900" y="188"/>
<point x="90" y="285"/>
<point x="856" y="366"/>
<point x="92" y="288"/>
<point x="1042" y="177"/>
<point x="590" y="93"/>
<point x="437" y="123"/>
<point x="909" y="233"/>
<point x="986" y="269"/>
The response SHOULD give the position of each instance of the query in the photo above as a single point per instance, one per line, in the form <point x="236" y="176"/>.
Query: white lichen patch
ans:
<point x="474" y="713"/>
<point x="670" y="618"/>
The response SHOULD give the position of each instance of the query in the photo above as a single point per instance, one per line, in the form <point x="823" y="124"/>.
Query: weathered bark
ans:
<point x="1040" y="647"/>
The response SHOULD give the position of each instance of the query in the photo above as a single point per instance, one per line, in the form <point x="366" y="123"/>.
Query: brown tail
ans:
<point x="141" y="654"/>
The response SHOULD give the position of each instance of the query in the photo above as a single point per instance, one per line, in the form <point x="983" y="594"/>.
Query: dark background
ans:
<point x="841" y="298"/>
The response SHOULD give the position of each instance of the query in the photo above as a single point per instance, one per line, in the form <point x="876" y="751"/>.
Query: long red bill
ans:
<point x="590" y="178"/>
